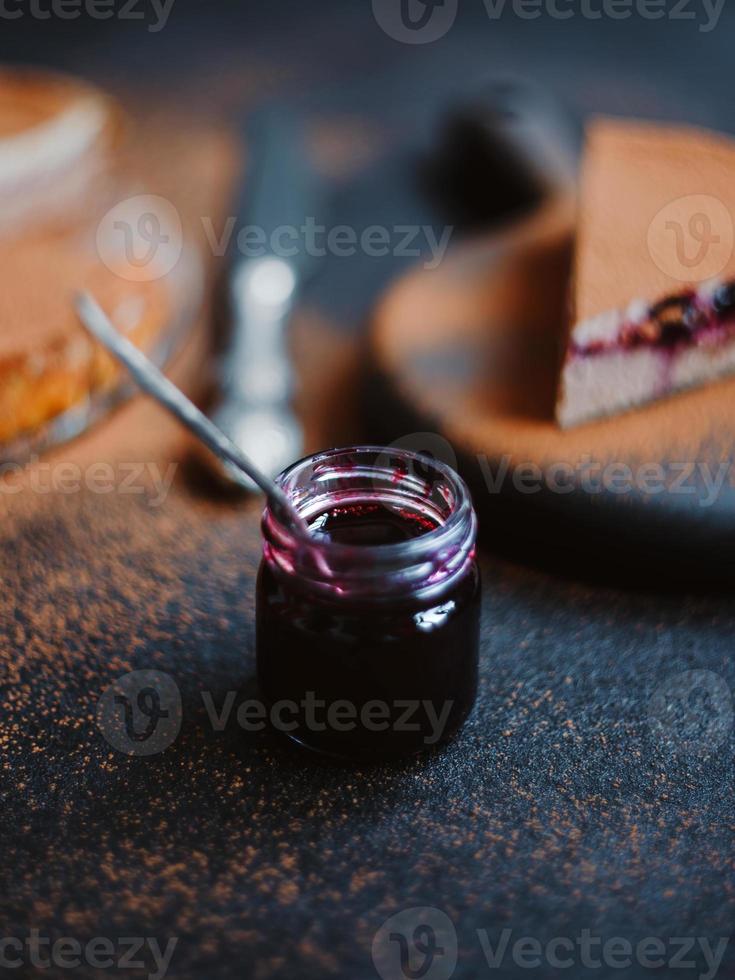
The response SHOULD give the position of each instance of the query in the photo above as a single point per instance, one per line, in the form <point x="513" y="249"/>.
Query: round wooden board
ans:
<point x="471" y="350"/>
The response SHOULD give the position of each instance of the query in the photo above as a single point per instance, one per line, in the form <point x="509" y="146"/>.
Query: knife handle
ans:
<point x="256" y="368"/>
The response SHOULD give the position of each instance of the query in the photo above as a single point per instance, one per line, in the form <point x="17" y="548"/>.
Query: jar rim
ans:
<point x="421" y="566"/>
<point x="461" y="507"/>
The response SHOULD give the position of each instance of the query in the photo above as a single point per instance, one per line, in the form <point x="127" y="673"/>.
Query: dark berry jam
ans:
<point x="724" y="300"/>
<point x="370" y="524"/>
<point x="369" y="646"/>
<point x="675" y="322"/>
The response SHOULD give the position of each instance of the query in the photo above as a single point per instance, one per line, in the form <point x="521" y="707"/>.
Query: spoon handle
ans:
<point x="156" y="384"/>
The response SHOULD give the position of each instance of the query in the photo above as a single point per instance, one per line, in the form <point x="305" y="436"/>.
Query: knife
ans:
<point x="269" y="263"/>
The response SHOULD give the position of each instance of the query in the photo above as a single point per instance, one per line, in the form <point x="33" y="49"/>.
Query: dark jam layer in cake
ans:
<point x="677" y="321"/>
<point x="369" y="679"/>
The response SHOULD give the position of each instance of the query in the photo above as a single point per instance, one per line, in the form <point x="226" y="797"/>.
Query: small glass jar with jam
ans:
<point x="367" y="636"/>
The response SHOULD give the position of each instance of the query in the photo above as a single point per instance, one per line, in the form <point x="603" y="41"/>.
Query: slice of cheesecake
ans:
<point x="654" y="278"/>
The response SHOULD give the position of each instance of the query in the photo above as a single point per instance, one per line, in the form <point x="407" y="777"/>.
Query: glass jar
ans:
<point x="367" y="642"/>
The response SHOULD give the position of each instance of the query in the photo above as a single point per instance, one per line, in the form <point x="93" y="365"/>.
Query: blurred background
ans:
<point x="260" y="861"/>
<point x="332" y="58"/>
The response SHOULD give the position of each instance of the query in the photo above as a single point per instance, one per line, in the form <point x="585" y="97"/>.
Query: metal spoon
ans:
<point x="154" y="383"/>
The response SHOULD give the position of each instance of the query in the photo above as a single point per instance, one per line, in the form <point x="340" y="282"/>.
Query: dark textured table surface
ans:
<point x="569" y="802"/>
<point x="591" y="789"/>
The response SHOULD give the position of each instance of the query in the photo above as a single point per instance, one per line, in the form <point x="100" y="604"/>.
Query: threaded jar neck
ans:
<point x="422" y="492"/>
